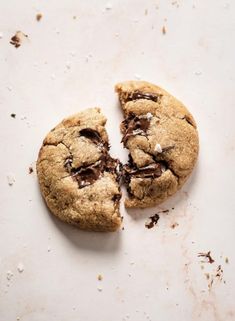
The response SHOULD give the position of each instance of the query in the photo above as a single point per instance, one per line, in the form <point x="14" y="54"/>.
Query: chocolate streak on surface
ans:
<point x="207" y="256"/>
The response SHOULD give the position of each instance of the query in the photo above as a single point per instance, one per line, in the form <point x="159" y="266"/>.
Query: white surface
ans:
<point x="69" y="64"/>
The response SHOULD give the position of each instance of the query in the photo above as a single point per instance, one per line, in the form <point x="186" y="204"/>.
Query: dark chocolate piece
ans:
<point x="135" y="95"/>
<point x="91" y="134"/>
<point x="154" y="219"/>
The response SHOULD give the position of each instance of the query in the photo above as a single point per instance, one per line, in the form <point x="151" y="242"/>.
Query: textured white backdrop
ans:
<point x="68" y="64"/>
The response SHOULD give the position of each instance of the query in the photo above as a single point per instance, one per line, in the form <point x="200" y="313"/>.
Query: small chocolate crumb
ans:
<point x="13" y="115"/>
<point x="165" y="211"/>
<point x="163" y="30"/>
<point x="38" y="16"/>
<point x="17" y="38"/>
<point x="154" y="219"/>
<point x="100" y="277"/>
<point x="30" y="169"/>
<point x="226" y="260"/>
<point x="207" y="256"/>
<point x="207" y="276"/>
<point x="174" y="225"/>
<point x="123" y="228"/>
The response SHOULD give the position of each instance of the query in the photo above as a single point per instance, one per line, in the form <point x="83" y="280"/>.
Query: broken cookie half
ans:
<point x="78" y="178"/>
<point x="162" y="139"/>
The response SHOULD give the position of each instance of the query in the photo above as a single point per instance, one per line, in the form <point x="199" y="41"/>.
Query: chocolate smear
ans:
<point x="207" y="256"/>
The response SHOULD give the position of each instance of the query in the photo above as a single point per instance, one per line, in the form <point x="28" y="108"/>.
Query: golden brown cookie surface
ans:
<point x="77" y="177"/>
<point x="162" y="139"/>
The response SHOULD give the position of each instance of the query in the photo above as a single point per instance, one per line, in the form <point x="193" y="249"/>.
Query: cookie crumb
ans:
<point x="20" y="267"/>
<point x="163" y="30"/>
<point x="207" y="256"/>
<point x="13" y="115"/>
<point x="108" y="6"/>
<point x="38" y="16"/>
<point x="18" y="318"/>
<point x="74" y="17"/>
<point x="207" y="275"/>
<point x="100" y="277"/>
<point x="123" y="228"/>
<point x="153" y="221"/>
<point x="226" y="260"/>
<point x="9" y="275"/>
<point x="16" y="40"/>
<point x="99" y="289"/>
<point x="174" y="225"/>
<point x="146" y="12"/>
<point x="30" y="169"/>
<point x="10" y="179"/>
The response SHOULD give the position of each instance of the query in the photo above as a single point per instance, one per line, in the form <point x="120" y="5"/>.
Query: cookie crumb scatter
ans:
<point x="153" y="221"/>
<point x="20" y="267"/>
<point x="30" y="169"/>
<point x="38" y="16"/>
<point x="10" y="179"/>
<point x="13" y="115"/>
<point x="207" y="256"/>
<point x="226" y="260"/>
<point x="163" y="30"/>
<point x="100" y="277"/>
<point x="16" y="40"/>
<point x="174" y="225"/>
<point x="9" y="275"/>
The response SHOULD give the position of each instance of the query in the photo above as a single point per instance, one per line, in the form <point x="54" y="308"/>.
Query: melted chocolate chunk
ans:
<point x="134" y="125"/>
<point x="116" y="198"/>
<point x="87" y="175"/>
<point x="91" y="134"/>
<point x="140" y="95"/>
<point x="150" y="171"/>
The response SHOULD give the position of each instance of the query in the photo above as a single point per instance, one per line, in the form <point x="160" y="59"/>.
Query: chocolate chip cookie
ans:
<point x="78" y="178"/>
<point x="162" y="139"/>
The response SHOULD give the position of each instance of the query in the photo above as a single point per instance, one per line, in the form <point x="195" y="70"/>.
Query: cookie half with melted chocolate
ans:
<point x="162" y="140"/>
<point x="78" y="178"/>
